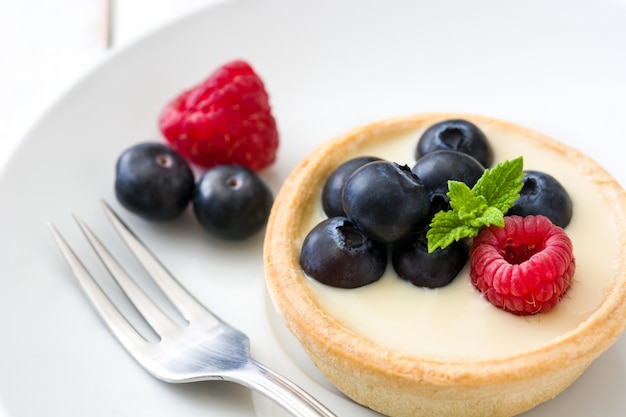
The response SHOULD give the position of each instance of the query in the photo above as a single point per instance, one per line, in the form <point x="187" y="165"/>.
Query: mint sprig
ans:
<point x="485" y="204"/>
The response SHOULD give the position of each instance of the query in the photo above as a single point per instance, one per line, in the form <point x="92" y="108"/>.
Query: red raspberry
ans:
<point x="524" y="267"/>
<point x="225" y="119"/>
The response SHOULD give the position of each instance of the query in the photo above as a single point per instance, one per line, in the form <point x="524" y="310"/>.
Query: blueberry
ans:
<point x="385" y="200"/>
<point x="337" y="253"/>
<point x="153" y="181"/>
<point x="232" y="202"/>
<point x="412" y="262"/>
<point x="456" y="135"/>
<point x="543" y="194"/>
<point x="331" y="192"/>
<point x="436" y="168"/>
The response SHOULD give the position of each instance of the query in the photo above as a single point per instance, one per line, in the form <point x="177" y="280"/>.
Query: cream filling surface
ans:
<point x="456" y="321"/>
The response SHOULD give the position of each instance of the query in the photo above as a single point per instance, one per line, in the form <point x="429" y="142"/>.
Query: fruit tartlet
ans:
<point x="468" y="344"/>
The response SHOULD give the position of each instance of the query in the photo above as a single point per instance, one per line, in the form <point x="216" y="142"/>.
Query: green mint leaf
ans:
<point x="460" y="195"/>
<point x="464" y="202"/>
<point x="491" y="216"/>
<point x="483" y="205"/>
<point x="446" y="228"/>
<point x="501" y="185"/>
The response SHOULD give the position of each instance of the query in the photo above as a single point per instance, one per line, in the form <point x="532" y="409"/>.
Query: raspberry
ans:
<point x="225" y="119"/>
<point x="524" y="267"/>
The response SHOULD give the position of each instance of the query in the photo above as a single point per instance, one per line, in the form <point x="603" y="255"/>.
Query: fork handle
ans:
<point x="279" y="389"/>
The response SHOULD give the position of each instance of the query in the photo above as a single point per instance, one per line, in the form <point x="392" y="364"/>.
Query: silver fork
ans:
<point x="204" y="348"/>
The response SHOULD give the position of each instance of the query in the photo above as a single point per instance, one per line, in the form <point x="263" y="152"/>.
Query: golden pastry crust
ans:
<point x="403" y="385"/>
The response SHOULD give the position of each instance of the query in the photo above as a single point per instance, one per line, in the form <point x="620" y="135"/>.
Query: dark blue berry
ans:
<point x="436" y="168"/>
<point x="331" y="192"/>
<point x="232" y="202"/>
<point x="412" y="262"/>
<point x="385" y="200"/>
<point x="153" y="181"/>
<point x="543" y="194"/>
<point x="337" y="253"/>
<point x="456" y="135"/>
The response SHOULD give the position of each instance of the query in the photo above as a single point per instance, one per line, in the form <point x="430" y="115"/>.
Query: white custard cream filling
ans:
<point x="456" y="321"/>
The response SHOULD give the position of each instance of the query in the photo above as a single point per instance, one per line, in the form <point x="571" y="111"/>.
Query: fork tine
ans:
<point x="208" y="350"/>
<point x="158" y="320"/>
<point x="187" y="305"/>
<point x="115" y="321"/>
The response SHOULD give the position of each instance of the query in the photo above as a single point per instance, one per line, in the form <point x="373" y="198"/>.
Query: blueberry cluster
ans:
<point x="155" y="182"/>
<point x="379" y="210"/>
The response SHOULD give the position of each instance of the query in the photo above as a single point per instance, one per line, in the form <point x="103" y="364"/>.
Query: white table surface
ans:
<point x="46" y="45"/>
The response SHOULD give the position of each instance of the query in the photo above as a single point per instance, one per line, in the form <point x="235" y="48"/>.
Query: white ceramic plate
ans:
<point x="554" y="66"/>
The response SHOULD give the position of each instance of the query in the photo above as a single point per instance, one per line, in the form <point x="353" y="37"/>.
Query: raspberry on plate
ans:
<point x="225" y="119"/>
<point x="524" y="267"/>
